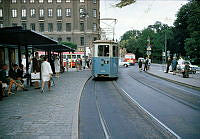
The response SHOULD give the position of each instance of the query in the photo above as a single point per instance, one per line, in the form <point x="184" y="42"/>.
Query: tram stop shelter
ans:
<point x="20" y="39"/>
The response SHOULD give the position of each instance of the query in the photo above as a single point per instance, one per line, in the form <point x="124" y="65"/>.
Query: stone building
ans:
<point x="74" y="21"/>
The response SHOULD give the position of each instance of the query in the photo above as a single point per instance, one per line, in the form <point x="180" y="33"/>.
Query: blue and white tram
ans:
<point x="105" y="59"/>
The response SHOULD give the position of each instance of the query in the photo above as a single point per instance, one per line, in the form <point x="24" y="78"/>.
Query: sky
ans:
<point x="139" y="15"/>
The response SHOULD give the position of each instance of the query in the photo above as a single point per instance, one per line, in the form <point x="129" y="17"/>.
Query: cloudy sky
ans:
<point x="140" y="14"/>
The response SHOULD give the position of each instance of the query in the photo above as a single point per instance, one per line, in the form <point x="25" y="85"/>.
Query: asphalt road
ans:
<point x="176" y="106"/>
<point x="104" y="113"/>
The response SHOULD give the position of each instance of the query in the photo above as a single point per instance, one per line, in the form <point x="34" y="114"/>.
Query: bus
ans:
<point x="129" y="57"/>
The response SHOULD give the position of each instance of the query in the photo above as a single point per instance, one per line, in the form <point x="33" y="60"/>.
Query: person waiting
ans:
<point x="13" y="75"/>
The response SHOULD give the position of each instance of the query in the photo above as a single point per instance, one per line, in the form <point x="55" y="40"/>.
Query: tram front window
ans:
<point x="103" y="50"/>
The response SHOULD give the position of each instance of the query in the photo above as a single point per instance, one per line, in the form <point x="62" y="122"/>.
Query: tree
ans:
<point x="187" y="30"/>
<point x="70" y="44"/>
<point x="124" y="3"/>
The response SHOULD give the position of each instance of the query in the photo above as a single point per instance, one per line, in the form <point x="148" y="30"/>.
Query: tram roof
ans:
<point x="105" y="41"/>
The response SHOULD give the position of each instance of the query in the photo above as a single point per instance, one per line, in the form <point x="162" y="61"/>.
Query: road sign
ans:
<point x="148" y="53"/>
<point x="149" y="48"/>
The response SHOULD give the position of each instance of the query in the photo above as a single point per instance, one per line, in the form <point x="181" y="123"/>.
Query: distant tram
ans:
<point x="105" y="59"/>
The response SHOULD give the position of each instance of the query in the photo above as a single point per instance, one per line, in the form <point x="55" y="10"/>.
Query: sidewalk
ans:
<point x="50" y="115"/>
<point x="158" y="70"/>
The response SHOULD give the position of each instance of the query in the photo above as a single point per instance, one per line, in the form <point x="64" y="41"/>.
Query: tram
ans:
<point x="105" y="59"/>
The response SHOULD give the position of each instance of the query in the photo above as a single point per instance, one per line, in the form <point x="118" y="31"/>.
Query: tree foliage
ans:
<point x="183" y="39"/>
<point x="136" y="41"/>
<point x="187" y="30"/>
<point x="70" y="44"/>
<point x="124" y="3"/>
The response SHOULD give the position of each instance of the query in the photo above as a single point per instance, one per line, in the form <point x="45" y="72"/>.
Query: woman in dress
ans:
<point x="46" y="73"/>
<point x="57" y="66"/>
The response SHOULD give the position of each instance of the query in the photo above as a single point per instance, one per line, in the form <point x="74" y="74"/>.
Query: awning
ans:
<point x="55" y="48"/>
<point x="19" y="36"/>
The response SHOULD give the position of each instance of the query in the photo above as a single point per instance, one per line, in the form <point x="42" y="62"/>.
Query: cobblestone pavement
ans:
<point x="158" y="70"/>
<point x="51" y="115"/>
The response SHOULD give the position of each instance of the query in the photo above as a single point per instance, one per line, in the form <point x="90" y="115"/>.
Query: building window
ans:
<point x="32" y="26"/>
<point x="23" y="12"/>
<point x="41" y="12"/>
<point x="50" y="27"/>
<point x="68" y="27"/>
<point x="24" y="25"/>
<point x="68" y="12"/>
<point x="14" y="24"/>
<point x="94" y="27"/>
<point x="59" y="27"/>
<point x="82" y="26"/>
<point x="41" y="1"/>
<point x="32" y="1"/>
<point x="94" y="13"/>
<point x="23" y="1"/>
<point x="59" y="12"/>
<point x="68" y="1"/>
<point x="50" y="12"/>
<point x="14" y="1"/>
<point x="94" y="1"/>
<point x="59" y="39"/>
<point x="59" y="1"/>
<point x="82" y="41"/>
<point x="1" y="12"/>
<point x="82" y="0"/>
<point x="68" y="39"/>
<point x="32" y="12"/>
<point x="41" y="27"/>
<point x="50" y="1"/>
<point x="14" y="12"/>
<point x="95" y="38"/>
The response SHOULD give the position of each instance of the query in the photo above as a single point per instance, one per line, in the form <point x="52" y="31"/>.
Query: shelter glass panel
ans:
<point x="103" y="50"/>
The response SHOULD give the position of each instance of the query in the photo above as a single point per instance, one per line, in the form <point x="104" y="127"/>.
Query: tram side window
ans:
<point x="103" y="50"/>
<point x="115" y="51"/>
<point x="78" y="56"/>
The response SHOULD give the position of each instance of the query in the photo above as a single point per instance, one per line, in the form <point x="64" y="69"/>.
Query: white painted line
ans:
<point x="135" y="102"/>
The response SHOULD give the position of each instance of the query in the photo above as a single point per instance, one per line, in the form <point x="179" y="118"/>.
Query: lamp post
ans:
<point x="84" y="15"/>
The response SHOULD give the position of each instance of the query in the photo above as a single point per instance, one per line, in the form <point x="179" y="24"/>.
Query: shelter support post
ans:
<point x="19" y="55"/>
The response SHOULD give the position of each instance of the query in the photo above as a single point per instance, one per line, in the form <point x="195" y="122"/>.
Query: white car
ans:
<point x="122" y="63"/>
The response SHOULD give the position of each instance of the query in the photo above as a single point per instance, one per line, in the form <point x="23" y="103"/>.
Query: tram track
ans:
<point x="185" y="98"/>
<point x="118" y="115"/>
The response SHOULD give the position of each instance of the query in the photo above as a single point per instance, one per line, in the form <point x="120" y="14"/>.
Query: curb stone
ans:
<point x="75" y="125"/>
<point x="176" y="82"/>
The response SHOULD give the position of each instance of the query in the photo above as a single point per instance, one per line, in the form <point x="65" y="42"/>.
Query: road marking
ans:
<point x="148" y="113"/>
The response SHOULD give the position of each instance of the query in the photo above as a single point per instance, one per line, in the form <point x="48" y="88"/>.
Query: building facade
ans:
<point x="76" y="21"/>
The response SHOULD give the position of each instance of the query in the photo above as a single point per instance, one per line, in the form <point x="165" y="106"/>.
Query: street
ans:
<point x="106" y="113"/>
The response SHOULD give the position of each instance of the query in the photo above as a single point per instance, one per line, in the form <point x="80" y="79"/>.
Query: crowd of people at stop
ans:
<point x="14" y="76"/>
<point x="40" y="71"/>
<point x="146" y="64"/>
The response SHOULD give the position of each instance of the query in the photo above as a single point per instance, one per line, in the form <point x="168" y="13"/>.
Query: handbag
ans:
<point x="35" y="76"/>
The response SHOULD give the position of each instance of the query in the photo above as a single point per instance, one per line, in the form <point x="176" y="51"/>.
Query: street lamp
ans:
<point x="84" y="15"/>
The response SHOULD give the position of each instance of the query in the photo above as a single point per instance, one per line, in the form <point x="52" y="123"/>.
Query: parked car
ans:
<point x="182" y="63"/>
<point x="123" y="63"/>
